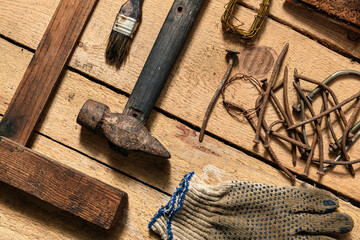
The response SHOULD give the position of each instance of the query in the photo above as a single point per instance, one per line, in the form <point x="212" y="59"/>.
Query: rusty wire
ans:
<point x="233" y="109"/>
<point x="255" y="26"/>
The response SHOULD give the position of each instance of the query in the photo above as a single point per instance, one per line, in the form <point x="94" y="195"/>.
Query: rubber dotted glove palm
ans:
<point x="245" y="210"/>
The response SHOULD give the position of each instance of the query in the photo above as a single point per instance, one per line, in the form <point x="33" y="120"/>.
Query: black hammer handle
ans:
<point x="162" y="57"/>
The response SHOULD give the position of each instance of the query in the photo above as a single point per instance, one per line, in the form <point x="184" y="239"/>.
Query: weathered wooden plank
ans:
<point x="192" y="82"/>
<point x="59" y="185"/>
<point x="45" y="69"/>
<point x="22" y="216"/>
<point x="60" y="124"/>
<point x="25" y="217"/>
<point x="305" y="21"/>
<point x="333" y="35"/>
<point x="344" y="11"/>
<point x="188" y="155"/>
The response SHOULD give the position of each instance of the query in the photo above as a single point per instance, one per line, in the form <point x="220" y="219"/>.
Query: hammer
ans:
<point x="126" y="131"/>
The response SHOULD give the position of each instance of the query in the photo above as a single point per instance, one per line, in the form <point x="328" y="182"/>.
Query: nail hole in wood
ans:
<point x="180" y="9"/>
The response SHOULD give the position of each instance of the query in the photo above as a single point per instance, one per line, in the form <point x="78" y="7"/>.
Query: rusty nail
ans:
<point x="338" y="162"/>
<point x="288" y="112"/>
<point x="348" y="146"/>
<point x="329" y="79"/>
<point x="324" y="87"/>
<point x="334" y="108"/>
<point x="291" y="140"/>
<point x="269" y="130"/>
<point x="345" y="136"/>
<point x="278" y="135"/>
<point x="334" y="146"/>
<point x="331" y="128"/>
<point x="268" y="90"/>
<point x="281" y="110"/>
<point x="231" y="56"/>
<point x="270" y="150"/>
<point x="317" y="128"/>
<point x="302" y="109"/>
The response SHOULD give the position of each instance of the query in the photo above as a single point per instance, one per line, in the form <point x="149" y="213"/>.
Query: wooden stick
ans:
<point x="45" y="69"/>
<point x="59" y="185"/>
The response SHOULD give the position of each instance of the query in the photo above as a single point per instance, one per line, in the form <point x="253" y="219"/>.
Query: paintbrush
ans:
<point x="124" y="29"/>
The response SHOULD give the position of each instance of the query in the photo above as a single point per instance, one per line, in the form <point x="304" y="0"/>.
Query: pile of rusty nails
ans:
<point x="297" y="138"/>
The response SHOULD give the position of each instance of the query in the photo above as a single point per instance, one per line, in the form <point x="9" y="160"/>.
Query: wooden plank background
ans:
<point x="317" y="49"/>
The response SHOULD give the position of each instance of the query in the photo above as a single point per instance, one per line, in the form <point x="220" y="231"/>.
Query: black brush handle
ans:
<point x="132" y="8"/>
<point x="162" y="57"/>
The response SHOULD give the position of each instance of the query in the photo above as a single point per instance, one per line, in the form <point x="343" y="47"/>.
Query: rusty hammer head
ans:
<point x="124" y="132"/>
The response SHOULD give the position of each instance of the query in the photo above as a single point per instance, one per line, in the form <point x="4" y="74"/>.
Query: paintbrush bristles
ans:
<point x="123" y="30"/>
<point x="117" y="48"/>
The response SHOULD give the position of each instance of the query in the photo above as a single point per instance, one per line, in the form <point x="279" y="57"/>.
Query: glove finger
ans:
<point x="329" y="223"/>
<point x="311" y="237"/>
<point x="313" y="200"/>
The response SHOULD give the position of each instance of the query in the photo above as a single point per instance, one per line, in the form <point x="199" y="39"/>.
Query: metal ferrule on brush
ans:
<point x="124" y="25"/>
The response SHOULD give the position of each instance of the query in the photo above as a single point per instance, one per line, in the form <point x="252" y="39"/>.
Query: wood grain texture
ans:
<point x="193" y="80"/>
<point x="188" y="153"/>
<point x="60" y="124"/>
<point x="201" y="65"/>
<point x="196" y="76"/>
<point x="36" y="174"/>
<point x="335" y="12"/>
<point x="347" y="10"/>
<point x="331" y="34"/>
<point x="45" y="69"/>
<point x="24" y="217"/>
<point x="59" y="185"/>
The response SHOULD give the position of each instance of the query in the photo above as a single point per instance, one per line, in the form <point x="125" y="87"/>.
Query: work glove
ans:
<point x="246" y="210"/>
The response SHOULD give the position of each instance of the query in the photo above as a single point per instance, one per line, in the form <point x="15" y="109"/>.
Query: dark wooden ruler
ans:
<point x="37" y="174"/>
<point x="60" y="185"/>
<point x="343" y="12"/>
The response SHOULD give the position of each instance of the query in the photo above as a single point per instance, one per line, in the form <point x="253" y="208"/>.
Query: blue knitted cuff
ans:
<point x="174" y="204"/>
